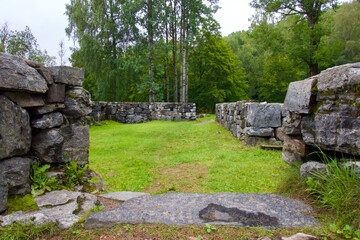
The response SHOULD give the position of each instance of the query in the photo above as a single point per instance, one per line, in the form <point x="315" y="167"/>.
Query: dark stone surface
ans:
<point x="48" y="121"/>
<point x="68" y="75"/>
<point x="56" y="93"/>
<point x="77" y="103"/>
<point x="3" y="193"/>
<point x="25" y="99"/>
<point x="15" y="131"/>
<point x="16" y="75"/>
<point x="237" y="209"/>
<point x="16" y="172"/>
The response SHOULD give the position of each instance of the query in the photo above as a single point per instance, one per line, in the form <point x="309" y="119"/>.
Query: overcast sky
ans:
<point x="47" y="21"/>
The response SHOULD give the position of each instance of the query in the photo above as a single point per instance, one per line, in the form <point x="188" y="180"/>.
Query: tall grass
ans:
<point x="337" y="188"/>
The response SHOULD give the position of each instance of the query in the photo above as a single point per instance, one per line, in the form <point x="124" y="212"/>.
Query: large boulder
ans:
<point x="16" y="172"/>
<point x="16" y="75"/>
<point x="15" y="131"/>
<point x="263" y="115"/>
<point x="3" y="193"/>
<point x="301" y="95"/>
<point x="48" y="121"/>
<point x="68" y="75"/>
<point x="77" y="103"/>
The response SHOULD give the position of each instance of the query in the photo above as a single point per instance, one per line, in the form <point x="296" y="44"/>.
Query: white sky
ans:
<point x="47" y="20"/>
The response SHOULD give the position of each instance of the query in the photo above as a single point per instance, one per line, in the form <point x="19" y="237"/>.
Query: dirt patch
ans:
<point x="204" y="122"/>
<point x="181" y="178"/>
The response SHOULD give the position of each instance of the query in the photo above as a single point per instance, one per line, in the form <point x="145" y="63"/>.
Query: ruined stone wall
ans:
<point x="250" y="121"/>
<point x="42" y="111"/>
<point x="132" y="112"/>
<point x="319" y="112"/>
<point x="323" y="112"/>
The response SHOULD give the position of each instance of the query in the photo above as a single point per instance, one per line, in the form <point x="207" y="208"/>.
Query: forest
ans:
<point x="173" y="50"/>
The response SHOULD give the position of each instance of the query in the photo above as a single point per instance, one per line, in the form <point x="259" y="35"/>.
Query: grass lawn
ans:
<point x="197" y="156"/>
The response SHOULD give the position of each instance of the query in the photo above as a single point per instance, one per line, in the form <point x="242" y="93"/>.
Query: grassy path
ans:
<point x="163" y="156"/>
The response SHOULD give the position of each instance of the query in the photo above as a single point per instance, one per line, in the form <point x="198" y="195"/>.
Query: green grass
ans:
<point x="139" y="157"/>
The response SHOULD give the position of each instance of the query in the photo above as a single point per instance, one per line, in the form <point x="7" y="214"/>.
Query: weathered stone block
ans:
<point x="15" y="131"/>
<point x="77" y="102"/>
<point x="16" y="172"/>
<point x="44" y="72"/>
<point x="3" y="193"/>
<point x="47" y="145"/>
<point x="16" y="75"/>
<point x="25" y="99"/>
<point x="76" y="143"/>
<point x="263" y="115"/>
<point x="47" y="108"/>
<point x="56" y="93"/>
<point x="68" y="75"/>
<point x="259" y="132"/>
<point x="300" y="97"/>
<point x="48" y="121"/>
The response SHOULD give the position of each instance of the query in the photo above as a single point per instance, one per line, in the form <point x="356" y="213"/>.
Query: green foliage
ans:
<point x="26" y="231"/>
<point x="40" y="181"/>
<point x="337" y="188"/>
<point x="209" y="228"/>
<point x="22" y="203"/>
<point x="23" y="44"/>
<point x="75" y="174"/>
<point x="215" y="75"/>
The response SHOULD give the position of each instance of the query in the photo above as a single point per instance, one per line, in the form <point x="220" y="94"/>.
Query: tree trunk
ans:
<point x="175" y="53"/>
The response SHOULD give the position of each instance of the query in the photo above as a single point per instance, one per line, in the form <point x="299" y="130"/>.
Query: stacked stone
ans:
<point x="323" y="112"/>
<point x="133" y="112"/>
<point x="41" y="111"/>
<point x="250" y="121"/>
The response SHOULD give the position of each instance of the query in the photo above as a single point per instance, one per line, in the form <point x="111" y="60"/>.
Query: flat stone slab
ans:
<point x="123" y="196"/>
<point x="238" y="209"/>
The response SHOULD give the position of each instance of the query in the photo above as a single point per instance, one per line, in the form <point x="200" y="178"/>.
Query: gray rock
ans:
<point x="123" y="196"/>
<point x="68" y="75"/>
<point x="339" y="77"/>
<point x="259" y="132"/>
<point x="25" y="99"/>
<point x="76" y="143"/>
<point x="16" y="75"/>
<point x="291" y="158"/>
<point x="33" y="217"/>
<point x="3" y="193"/>
<point x="56" y="198"/>
<point x="77" y="103"/>
<point x="15" y="131"/>
<point x="263" y="115"/>
<point x="47" y="108"/>
<point x="310" y="168"/>
<point x="237" y="209"/>
<point x="42" y="70"/>
<point x="56" y="93"/>
<point x="300" y="236"/>
<point x="47" y="145"/>
<point x="355" y="165"/>
<point x="16" y="172"/>
<point x="300" y="97"/>
<point x="48" y="121"/>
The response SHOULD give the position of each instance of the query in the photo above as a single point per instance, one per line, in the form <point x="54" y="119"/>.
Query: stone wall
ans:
<point x="319" y="112"/>
<point x="41" y="115"/>
<point x="323" y="112"/>
<point x="250" y="121"/>
<point x="132" y="112"/>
